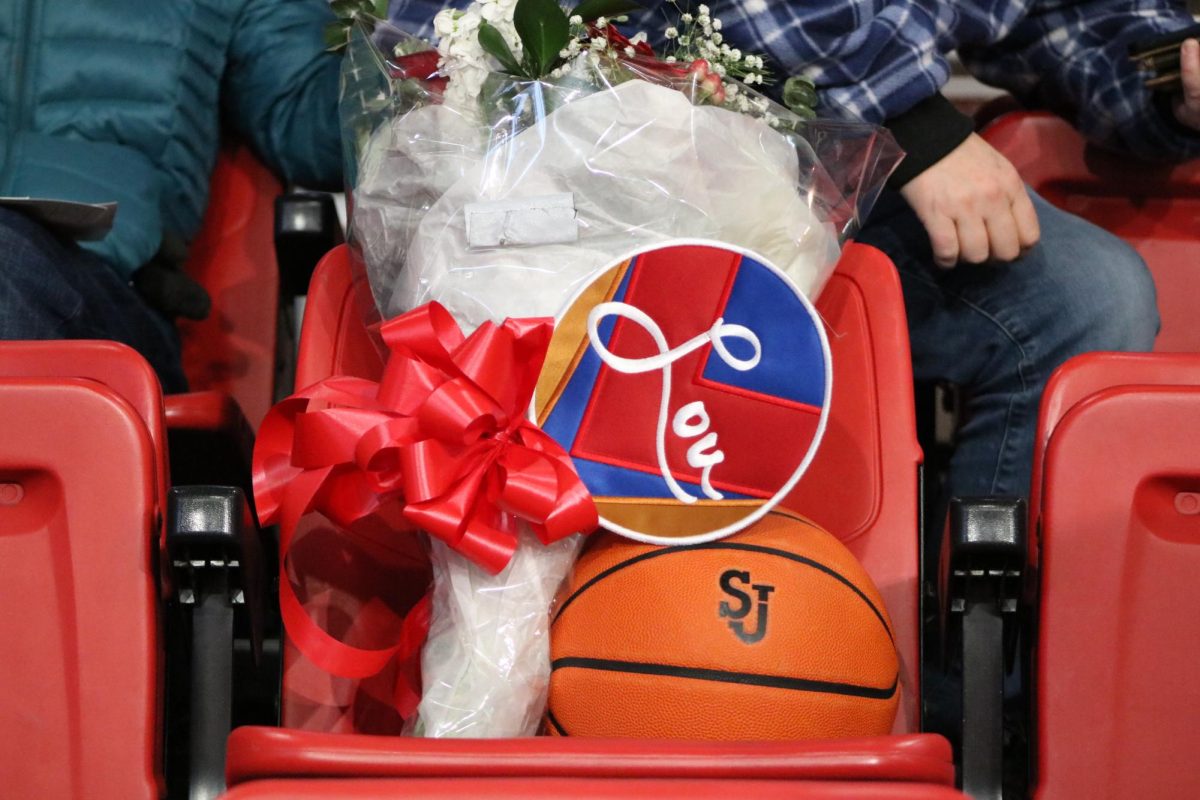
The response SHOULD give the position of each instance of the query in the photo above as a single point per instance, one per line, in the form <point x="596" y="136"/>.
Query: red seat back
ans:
<point x="334" y="339"/>
<point x="1154" y="207"/>
<point x="79" y="678"/>
<point x="114" y="365"/>
<point x="863" y="485"/>
<point x="1117" y="698"/>
<point x="351" y="587"/>
<point x="1088" y="374"/>
<point x="233" y="351"/>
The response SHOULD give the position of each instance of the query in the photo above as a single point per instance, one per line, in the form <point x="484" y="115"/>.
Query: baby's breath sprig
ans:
<point x="698" y="36"/>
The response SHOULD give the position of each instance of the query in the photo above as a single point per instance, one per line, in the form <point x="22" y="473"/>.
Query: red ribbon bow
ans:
<point x="441" y="443"/>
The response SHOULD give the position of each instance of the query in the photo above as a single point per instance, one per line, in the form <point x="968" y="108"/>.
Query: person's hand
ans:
<point x="1187" y="106"/>
<point x="974" y="206"/>
<point x="172" y="291"/>
<point x="165" y="285"/>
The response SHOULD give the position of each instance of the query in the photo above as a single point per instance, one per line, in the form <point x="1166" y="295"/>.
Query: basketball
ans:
<point x="774" y="633"/>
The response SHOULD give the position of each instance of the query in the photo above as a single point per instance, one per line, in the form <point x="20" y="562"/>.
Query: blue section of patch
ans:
<point x="605" y="480"/>
<point x="793" y="362"/>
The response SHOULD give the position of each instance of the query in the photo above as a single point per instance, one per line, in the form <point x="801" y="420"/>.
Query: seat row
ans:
<point x="101" y="545"/>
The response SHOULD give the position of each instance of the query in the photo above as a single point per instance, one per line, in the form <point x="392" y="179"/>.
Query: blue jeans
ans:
<point x="53" y="289"/>
<point x="1000" y="330"/>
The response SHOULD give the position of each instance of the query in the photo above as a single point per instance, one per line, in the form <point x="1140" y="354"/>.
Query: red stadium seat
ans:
<point x="79" y="508"/>
<point x="1152" y="206"/>
<point x="1117" y="643"/>
<point x="876" y="495"/>
<point x="84" y="475"/>
<point x="869" y="498"/>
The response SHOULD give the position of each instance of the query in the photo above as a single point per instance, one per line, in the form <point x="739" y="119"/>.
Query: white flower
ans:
<point x="686" y="18"/>
<point x="630" y="51"/>
<point x="463" y="60"/>
<point x="719" y="69"/>
<point x="601" y="22"/>
<point x="671" y="33"/>
<point x="670" y="59"/>
<point x="717" y="38"/>
<point x="445" y="22"/>
<point x="576" y="20"/>
<point x="704" y="10"/>
<point x="717" y="24"/>
<point x="599" y="43"/>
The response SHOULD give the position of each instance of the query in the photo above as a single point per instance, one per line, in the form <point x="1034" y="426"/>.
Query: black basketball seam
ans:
<point x="754" y="548"/>
<point x="723" y="676"/>
<point x="553" y="720"/>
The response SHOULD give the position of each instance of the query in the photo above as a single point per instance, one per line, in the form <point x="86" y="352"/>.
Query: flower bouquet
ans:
<point x="535" y="145"/>
<point x="490" y="177"/>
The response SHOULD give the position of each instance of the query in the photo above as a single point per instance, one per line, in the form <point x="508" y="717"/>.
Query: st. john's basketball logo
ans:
<point x="745" y="596"/>
<point x="690" y="385"/>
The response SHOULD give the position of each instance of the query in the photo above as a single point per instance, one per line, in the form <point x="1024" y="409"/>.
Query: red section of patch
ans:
<point x="684" y="289"/>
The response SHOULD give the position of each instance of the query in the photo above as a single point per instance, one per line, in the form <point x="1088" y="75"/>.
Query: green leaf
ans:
<point x="593" y="9"/>
<point x="492" y="41"/>
<point x="799" y="93"/>
<point x="544" y="31"/>
<point x="344" y="8"/>
<point x="380" y="9"/>
<point x="335" y="36"/>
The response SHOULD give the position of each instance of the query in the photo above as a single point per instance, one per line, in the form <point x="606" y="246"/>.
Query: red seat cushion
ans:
<point x="258" y="753"/>
<point x="586" y="789"/>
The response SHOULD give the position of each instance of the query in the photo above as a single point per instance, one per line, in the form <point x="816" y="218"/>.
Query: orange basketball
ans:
<point x="774" y="633"/>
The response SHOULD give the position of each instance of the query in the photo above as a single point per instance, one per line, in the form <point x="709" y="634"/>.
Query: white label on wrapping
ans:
<point x="548" y="219"/>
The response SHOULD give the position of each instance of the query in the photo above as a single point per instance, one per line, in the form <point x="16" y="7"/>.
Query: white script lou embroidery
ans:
<point x="692" y="420"/>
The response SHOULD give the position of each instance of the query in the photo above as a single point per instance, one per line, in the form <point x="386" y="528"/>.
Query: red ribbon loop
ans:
<point x="441" y="443"/>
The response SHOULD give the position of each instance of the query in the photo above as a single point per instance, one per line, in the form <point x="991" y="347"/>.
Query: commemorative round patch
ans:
<point x="690" y="384"/>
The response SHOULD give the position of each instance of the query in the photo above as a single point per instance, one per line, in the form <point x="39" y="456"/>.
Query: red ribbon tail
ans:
<point x="323" y="650"/>
<point x="406" y="695"/>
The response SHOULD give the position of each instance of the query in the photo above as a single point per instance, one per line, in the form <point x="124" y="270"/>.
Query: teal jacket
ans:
<point x="126" y="100"/>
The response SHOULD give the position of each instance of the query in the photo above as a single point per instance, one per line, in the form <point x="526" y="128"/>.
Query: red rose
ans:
<point x="422" y="66"/>
<point x="620" y="41"/>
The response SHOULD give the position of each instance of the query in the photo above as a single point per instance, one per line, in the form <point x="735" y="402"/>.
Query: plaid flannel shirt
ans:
<point x="877" y="60"/>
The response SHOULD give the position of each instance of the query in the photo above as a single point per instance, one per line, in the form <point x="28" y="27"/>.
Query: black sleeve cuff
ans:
<point x="927" y="132"/>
